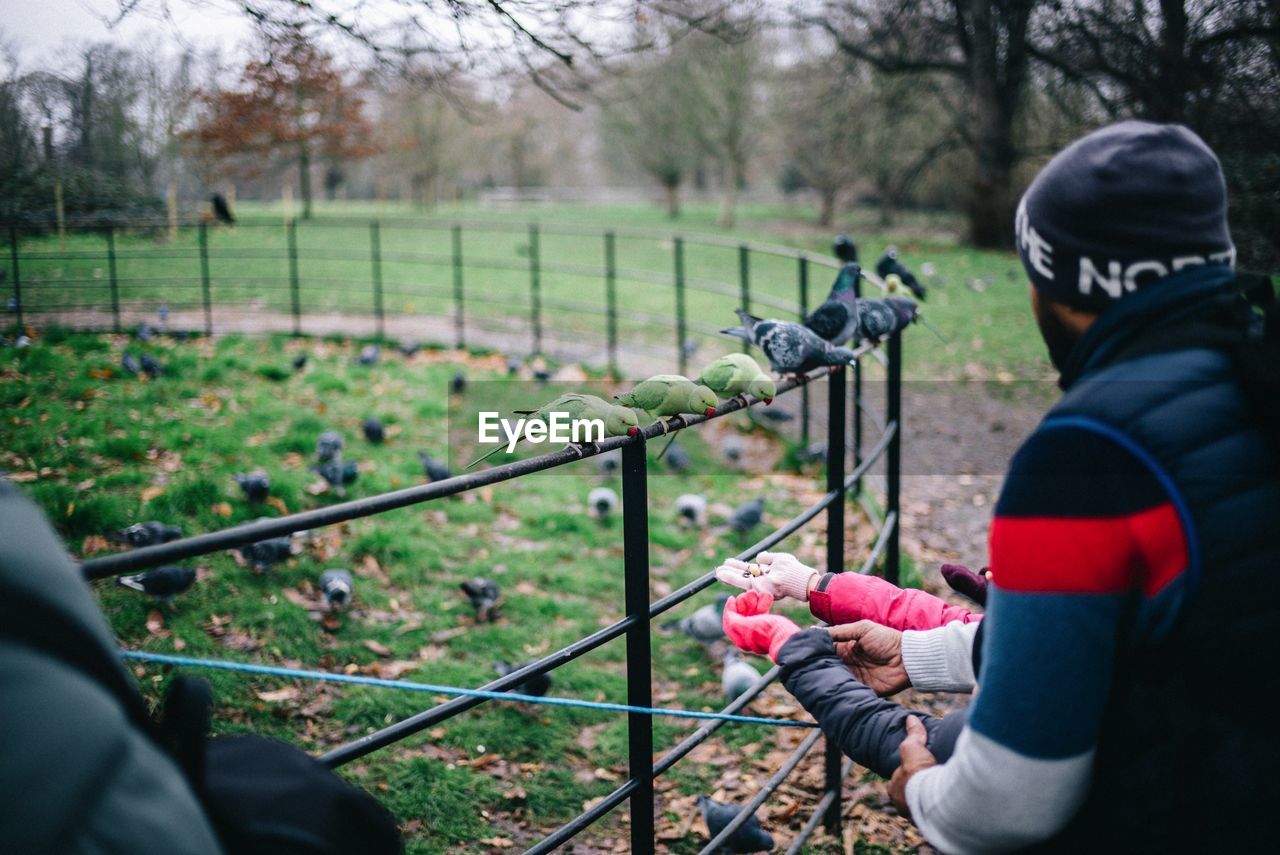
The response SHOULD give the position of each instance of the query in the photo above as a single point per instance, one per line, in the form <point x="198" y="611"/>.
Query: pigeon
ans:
<point x="22" y="341"/>
<point x="747" y="516"/>
<point x="542" y="375"/>
<point x="373" y="431"/>
<point x="889" y="264"/>
<point x="618" y="420"/>
<point x="163" y="583"/>
<point x="610" y="462"/>
<point x="513" y="365"/>
<point x="434" y="469"/>
<point x="601" y="503"/>
<point x="845" y="249"/>
<point x="688" y="347"/>
<point x="664" y="395"/>
<point x="882" y="317"/>
<point x="144" y="332"/>
<point x="814" y="453"/>
<point x="300" y="361"/>
<point x="255" y="485"/>
<point x="789" y="347"/>
<point x="163" y="313"/>
<point x="836" y="320"/>
<point x="705" y="625"/>
<point x="537" y="685"/>
<point x="738" y="676"/>
<point x="336" y="587"/>
<point x="12" y="304"/>
<point x="145" y="534"/>
<point x="329" y="446"/>
<point x="749" y="837"/>
<point x="338" y="473"/>
<point x="485" y="597"/>
<point x="370" y="355"/>
<point x="733" y="449"/>
<point x="774" y="414"/>
<point x="130" y="364"/>
<point x="677" y="459"/>
<point x="458" y="384"/>
<point x="262" y="554"/>
<point x="691" y="510"/>
<point x="221" y="210"/>
<point x="738" y="375"/>
<point x="407" y="349"/>
<point x="150" y="367"/>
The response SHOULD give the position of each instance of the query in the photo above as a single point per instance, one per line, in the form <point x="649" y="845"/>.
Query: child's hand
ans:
<point x="964" y="581"/>
<point x="749" y="625"/>
<point x="779" y="574"/>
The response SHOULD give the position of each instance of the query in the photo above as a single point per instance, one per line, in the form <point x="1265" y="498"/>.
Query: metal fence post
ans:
<point x="459" y="321"/>
<point x="744" y="282"/>
<point x="677" y="250"/>
<point x="112" y="279"/>
<point x="893" y="462"/>
<point x="535" y="288"/>
<point x="635" y="519"/>
<point x="836" y="396"/>
<point x="802" y="285"/>
<point x="857" y="403"/>
<point x="17" y="278"/>
<point x="294" y="297"/>
<point x="611" y="300"/>
<point x="202" y="239"/>
<point x="375" y="259"/>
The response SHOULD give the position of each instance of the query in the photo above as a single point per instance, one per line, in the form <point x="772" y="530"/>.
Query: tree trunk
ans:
<point x="304" y="180"/>
<point x="888" y="204"/>
<point x="826" y="207"/>
<point x="671" y="192"/>
<point x="729" y="202"/>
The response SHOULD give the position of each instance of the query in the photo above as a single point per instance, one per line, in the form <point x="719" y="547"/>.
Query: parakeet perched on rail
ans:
<point x="664" y="395"/>
<point x="737" y="374"/>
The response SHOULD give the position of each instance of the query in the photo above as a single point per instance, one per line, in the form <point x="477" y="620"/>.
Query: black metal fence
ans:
<point x="841" y="485"/>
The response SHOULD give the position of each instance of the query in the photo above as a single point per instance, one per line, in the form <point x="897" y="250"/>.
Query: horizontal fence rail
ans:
<point x="845" y="411"/>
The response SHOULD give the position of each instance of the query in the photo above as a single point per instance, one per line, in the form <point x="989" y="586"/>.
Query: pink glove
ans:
<point x="781" y="574"/>
<point x="749" y="625"/>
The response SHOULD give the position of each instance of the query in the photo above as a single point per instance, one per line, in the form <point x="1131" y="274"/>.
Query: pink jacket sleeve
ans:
<point x="848" y="597"/>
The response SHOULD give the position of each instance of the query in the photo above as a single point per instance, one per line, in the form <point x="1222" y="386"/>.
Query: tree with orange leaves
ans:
<point x="291" y="106"/>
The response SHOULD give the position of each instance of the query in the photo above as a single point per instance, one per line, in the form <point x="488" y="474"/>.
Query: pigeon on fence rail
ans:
<point x="254" y="485"/>
<point x="262" y="555"/>
<point x="889" y="264"/>
<point x="704" y="625"/>
<point x="880" y="318"/>
<point x="338" y="474"/>
<point x="435" y="470"/>
<point x="129" y="363"/>
<point x="602" y="503"/>
<point x="221" y="210"/>
<point x="691" y="510"/>
<point x="667" y="395"/>
<point x="736" y="375"/>
<point x="374" y="431"/>
<point x="370" y="355"/>
<point x="747" y="516"/>
<point x="300" y="361"/>
<point x="677" y="459"/>
<point x="844" y="248"/>
<point x="485" y="596"/>
<point x="790" y="348"/>
<point x="738" y="676"/>
<point x="145" y="534"/>
<point x="537" y="685"/>
<point x="150" y="367"/>
<point x="749" y="837"/>
<point x="836" y="320"/>
<point x="329" y="446"/>
<point x="337" y="588"/>
<point x="163" y="583"/>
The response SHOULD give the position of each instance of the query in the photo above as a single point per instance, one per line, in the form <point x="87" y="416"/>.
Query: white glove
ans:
<point x="781" y="574"/>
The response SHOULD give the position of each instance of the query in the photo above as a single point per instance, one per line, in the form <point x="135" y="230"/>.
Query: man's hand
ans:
<point x="874" y="655"/>
<point x="915" y="756"/>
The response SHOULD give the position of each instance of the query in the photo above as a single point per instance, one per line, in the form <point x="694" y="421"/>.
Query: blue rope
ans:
<point x="301" y="674"/>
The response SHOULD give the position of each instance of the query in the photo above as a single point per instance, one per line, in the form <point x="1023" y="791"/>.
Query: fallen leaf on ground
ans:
<point x="93" y="544"/>
<point x="377" y="647"/>
<point x="287" y="693"/>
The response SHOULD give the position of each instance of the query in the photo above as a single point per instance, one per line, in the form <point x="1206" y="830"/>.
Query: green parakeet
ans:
<point x="670" y="395"/>
<point x="739" y="374"/>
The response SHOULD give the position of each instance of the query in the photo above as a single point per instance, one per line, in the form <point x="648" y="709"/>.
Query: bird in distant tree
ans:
<point x="255" y="484"/>
<point x="221" y="210"/>
<point x="163" y="583"/>
<point x="485" y="597"/>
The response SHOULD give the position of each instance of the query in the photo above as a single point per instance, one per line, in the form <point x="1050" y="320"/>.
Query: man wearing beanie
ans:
<point x="1133" y="552"/>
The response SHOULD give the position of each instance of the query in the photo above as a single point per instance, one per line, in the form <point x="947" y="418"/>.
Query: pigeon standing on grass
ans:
<point x="677" y="459"/>
<point x="747" y="516"/>
<point x="145" y="534"/>
<point x="329" y="446"/>
<point x="737" y="677"/>
<point x="300" y="361"/>
<point x="610" y="462"/>
<point x="254" y="485"/>
<point x="434" y="469"/>
<point x="458" y="384"/>
<point x="691" y="510"/>
<point x="537" y="685"/>
<point x="370" y="355"/>
<point x="337" y="587"/>
<point x="129" y="363"/>
<point x="163" y="583"/>
<point x="602" y="503"/>
<point x="374" y="431"/>
<point x="733" y="449"/>
<point x="264" y="554"/>
<point x="749" y="837"/>
<point x="485" y="596"/>
<point x="704" y="625"/>
<point x="789" y="347"/>
<point x="338" y="474"/>
<point x="150" y="367"/>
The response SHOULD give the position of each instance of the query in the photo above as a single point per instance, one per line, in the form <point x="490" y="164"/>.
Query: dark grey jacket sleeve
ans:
<point x="867" y="727"/>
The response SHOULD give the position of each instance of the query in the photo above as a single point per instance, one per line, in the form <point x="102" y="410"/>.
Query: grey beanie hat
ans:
<point x="1120" y="208"/>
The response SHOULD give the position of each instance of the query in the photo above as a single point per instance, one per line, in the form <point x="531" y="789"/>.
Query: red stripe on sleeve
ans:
<point x="1097" y="555"/>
